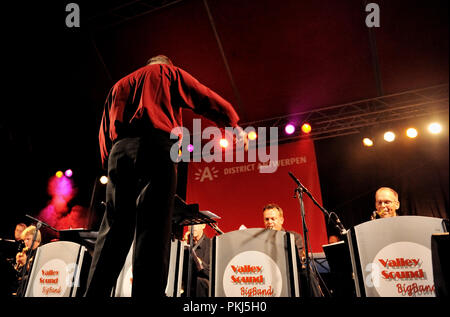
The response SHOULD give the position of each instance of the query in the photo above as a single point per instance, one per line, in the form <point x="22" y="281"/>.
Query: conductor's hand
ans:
<point x="242" y="137"/>
<point x="186" y="236"/>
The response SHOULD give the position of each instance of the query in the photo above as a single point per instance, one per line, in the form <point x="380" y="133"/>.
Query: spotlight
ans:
<point x="389" y="136"/>
<point x="68" y="173"/>
<point x="289" y="129"/>
<point x="223" y="143"/>
<point x="411" y="133"/>
<point x="367" y="142"/>
<point x="252" y="135"/>
<point x="104" y="180"/>
<point x="190" y="148"/>
<point x="59" y="174"/>
<point x="435" y="128"/>
<point x="306" y="128"/>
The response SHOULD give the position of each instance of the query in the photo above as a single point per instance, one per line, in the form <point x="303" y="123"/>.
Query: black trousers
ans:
<point x="139" y="203"/>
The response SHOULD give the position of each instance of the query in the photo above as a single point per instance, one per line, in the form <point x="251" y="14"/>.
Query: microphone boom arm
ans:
<point x="329" y="215"/>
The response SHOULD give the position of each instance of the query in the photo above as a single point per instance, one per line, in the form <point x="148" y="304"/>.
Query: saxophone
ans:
<point x="18" y="265"/>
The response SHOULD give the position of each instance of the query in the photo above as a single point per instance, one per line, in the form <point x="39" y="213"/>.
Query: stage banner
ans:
<point x="237" y="191"/>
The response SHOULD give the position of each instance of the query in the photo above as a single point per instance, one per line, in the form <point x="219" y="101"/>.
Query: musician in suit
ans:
<point x="273" y="219"/>
<point x="201" y="252"/>
<point x="27" y="237"/>
<point x="29" y="250"/>
<point x="8" y="251"/>
<point x="20" y="227"/>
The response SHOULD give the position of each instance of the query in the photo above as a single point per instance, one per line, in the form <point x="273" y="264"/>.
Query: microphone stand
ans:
<point x="299" y="191"/>
<point x="215" y="227"/>
<point x="189" y="277"/>
<point x="330" y="215"/>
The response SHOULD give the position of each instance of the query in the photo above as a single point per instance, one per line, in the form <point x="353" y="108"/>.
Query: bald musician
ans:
<point x="386" y="203"/>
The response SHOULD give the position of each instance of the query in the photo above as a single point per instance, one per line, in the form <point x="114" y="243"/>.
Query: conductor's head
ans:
<point x="160" y="59"/>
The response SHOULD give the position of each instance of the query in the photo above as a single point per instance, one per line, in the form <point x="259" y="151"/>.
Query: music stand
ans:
<point x="338" y="257"/>
<point x="85" y="237"/>
<point x="189" y="215"/>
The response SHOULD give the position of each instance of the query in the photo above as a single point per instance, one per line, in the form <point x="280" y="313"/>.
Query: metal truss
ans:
<point x="351" y="118"/>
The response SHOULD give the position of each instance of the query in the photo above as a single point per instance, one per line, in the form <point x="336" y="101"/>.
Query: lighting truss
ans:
<point x="350" y="118"/>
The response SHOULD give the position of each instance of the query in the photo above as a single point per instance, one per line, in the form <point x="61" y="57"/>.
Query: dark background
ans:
<point x="278" y="57"/>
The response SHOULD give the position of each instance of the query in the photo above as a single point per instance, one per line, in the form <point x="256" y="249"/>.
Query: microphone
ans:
<point x="295" y="180"/>
<point x="374" y="215"/>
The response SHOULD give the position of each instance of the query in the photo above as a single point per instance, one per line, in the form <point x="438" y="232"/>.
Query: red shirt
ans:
<point x="155" y="95"/>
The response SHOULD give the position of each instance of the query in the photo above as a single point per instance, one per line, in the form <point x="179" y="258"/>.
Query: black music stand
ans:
<point x="341" y="270"/>
<point x="189" y="215"/>
<point x="84" y="237"/>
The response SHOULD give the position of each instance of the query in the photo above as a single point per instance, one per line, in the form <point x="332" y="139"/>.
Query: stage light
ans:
<point x="223" y="143"/>
<point x="367" y="142"/>
<point x="59" y="174"/>
<point x="104" y="180"/>
<point x="411" y="133"/>
<point x="389" y="136"/>
<point x="306" y="128"/>
<point x="190" y="148"/>
<point x="252" y="135"/>
<point x="435" y="128"/>
<point x="289" y="129"/>
<point x="68" y="173"/>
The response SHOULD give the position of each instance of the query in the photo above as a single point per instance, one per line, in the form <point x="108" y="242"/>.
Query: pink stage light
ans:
<point x="68" y="173"/>
<point x="190" y="148"/>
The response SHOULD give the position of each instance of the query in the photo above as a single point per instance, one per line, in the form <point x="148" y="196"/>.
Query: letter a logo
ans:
<point x="373" y="18"/>
<point x="206" y="174"/>
<point x="73" y="18"/>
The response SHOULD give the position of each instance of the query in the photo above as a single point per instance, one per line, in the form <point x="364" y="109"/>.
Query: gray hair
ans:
<point x="160" y="59"/>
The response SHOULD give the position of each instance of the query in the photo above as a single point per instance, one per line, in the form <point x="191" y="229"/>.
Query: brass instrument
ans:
<point x="374" y="215"/>
<point x="18" y="265"/>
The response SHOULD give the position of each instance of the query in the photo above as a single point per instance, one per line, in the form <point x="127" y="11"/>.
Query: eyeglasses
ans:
<point x="385" y="202"/>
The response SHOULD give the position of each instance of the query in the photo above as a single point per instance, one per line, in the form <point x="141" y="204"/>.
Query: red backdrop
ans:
<point x="237" y="192"/>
